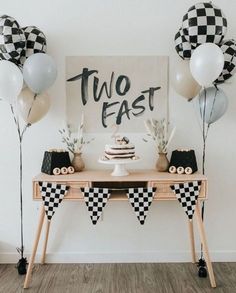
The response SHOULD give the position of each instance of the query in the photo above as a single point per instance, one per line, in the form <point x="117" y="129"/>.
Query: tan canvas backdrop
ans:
<point x="143" y="72"/>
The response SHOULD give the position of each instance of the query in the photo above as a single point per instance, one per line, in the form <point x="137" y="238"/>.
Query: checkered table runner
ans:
<point x="187" y="194"/>
<point x="95" y="199"/>
<point x="52" y="195"/>
<point x="141" y="199"/>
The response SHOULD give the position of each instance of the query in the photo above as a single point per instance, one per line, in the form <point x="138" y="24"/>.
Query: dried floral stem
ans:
<point x="73" y="143"/>
<point x="157" y="130"/>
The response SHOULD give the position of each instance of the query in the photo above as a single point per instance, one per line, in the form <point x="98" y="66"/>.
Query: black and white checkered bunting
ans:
<point x="12" y="39"/>
<point x="228" y="48"/>
<point x="182" y="46"/>
<point x="204" y="22"/>
<point x="141" y="199"/>
<point x="52" y="195"/>
<point x="187" y="194"/>
<point x="95" y="199"/>
<point x="35" y="42"/>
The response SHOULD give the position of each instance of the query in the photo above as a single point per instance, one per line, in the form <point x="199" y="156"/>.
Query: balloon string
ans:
<point x="20" y="136"/>
<point x="205" y="135"/>
<point x="30" y="109"/>
<point x="203" y="154"/>
<point x="212" y="108"/>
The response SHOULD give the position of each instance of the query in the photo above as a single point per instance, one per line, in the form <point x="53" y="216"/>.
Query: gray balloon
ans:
<point x="39" y="72"/>
<point x="215" y="103"/>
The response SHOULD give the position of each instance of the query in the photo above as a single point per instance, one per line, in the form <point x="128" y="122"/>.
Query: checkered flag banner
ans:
<point x="228" y="48"/>
<point x="187" y="194"/>
<point x="52" y="195"/>
<point x="182" y="46"/>
<point x="12" y="39"/>
<point x="204" y="23"/>
<point x="35" y="42"/>
<point x="95" y="199"/>
<point x="141" y="199"/>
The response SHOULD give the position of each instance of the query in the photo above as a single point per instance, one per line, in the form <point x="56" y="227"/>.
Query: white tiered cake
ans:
<point x="120" y="150"/>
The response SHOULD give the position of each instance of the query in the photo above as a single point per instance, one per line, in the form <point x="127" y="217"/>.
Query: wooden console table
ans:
<point x="142" y="178"/>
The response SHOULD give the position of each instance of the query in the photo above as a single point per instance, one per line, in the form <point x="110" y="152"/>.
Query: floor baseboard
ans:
<point x="122" y="257"/>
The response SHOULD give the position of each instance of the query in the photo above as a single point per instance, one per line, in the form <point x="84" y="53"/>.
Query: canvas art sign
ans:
<point x="116" y="90"/>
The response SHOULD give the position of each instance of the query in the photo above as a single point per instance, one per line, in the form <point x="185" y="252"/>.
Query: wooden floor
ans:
<point x="118" y="278"/>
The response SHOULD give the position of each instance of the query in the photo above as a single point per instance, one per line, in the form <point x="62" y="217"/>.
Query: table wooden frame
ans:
<point x="161" y="181"/>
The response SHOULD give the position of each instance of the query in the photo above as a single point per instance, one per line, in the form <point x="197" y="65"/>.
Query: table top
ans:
<point x="105" y="175"/>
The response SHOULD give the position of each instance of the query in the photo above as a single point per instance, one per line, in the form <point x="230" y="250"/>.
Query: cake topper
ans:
<point x="115" y="134"/>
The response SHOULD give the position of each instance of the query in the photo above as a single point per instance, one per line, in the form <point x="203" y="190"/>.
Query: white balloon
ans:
<point x="39" y="72"/>
<point x="206" y="63"/>
<point x="11" y="81"/>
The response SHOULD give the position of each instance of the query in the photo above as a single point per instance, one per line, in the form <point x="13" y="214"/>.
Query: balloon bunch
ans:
<point x="212" y="62"/>
<point x="212" y="59"/>
<point x="206" y="23"/>
<point x="23" y="58"/>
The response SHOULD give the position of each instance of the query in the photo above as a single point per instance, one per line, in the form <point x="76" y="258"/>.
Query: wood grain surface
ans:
<point x="118" y="278"/>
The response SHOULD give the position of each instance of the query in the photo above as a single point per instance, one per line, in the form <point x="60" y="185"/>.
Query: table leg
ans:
<point x="35" y="246"/>
<point x="45" y="242"/>
<point x="204" y="245"/>
<point x="192" y="243"/>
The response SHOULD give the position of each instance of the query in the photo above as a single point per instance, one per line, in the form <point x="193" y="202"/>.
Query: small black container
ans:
<point x="53" y="160"/>
<point x="184" y="158"/>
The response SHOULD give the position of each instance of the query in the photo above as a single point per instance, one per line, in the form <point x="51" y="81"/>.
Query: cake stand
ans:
<point x="119" y="165"/>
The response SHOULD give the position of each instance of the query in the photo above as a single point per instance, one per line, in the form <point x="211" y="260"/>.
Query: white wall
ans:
<point x="112" y="27"/>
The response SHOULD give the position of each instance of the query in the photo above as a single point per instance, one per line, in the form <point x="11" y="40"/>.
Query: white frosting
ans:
<point x="119" y="151"/>
<point x="119" y="146"/>
<point x="119" y="157"/>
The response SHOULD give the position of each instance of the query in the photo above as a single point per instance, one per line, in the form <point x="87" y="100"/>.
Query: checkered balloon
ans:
<point x="52" y="195"/>
<point x="95" y="199"/>
<point x="204" y="23"/>
<point x="187" y="194"/>
<point x="35" y="42"/>
<point x="182" y="46"/>
<point x="228" y="48"/>
<point x="141" y="199"/>
<point x="12" y="39"/>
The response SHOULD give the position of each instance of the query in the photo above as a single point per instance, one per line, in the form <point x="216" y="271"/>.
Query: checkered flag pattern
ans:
<point x="35" y="42"/>
<point x="141" y="199"/>
<point x="52" y="195"/>
<point x="228" y="48"/>
<point x="182" y="46"/>
<point x="204" y="22"/>
<point x="12" y="39"/>
<point x="187" y="194"/>
<point x="95" y="199"/>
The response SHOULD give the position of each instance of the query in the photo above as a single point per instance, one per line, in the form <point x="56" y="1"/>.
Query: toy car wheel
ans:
<point x="71" y="170"/>
<point x="172" y="169"/>
<point x="64" y="171"/>
<point x="188" y="170"/>
<point x="56" y="171"/>
<point x="180" y="170"/>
